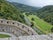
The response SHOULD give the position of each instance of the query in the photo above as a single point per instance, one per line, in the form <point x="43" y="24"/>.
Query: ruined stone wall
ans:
<point x="21" y="31"/>
<point x="36" y="37"/>
<point x="15" y="28"/>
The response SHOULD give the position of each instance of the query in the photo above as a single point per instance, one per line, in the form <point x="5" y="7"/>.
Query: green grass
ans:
<point x="40" y="24"/>
<point x="4" y="36"/>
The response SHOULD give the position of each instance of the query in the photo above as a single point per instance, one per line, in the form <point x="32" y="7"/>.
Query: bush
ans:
<point x="52" y="29"/>
<point x="32" y="19"/>
<point x="32" y="24"/>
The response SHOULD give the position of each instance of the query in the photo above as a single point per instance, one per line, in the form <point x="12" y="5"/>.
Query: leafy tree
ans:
<point x="32" y="19"/>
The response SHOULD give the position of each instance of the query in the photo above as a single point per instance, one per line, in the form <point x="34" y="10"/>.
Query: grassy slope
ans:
<point x="47" y="11"/>
<point x="4" y="36"/>
<point x="40" y="24"/>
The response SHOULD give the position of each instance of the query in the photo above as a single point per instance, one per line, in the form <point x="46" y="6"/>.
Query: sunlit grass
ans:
<point x="4" y="36"/>
<point x="40" y="24"/>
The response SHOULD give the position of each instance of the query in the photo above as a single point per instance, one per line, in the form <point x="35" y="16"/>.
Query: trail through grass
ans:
<point x="40" y="24"/>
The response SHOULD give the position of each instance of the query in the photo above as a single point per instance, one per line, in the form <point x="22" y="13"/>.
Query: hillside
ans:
<point x="8" y="11"/>
<point x="25" y="8"/>
<point x="46" y="13"/>
<point x="40" y="26"/>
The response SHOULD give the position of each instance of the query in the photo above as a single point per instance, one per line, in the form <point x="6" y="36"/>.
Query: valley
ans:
<point x="39" y="24"/>
<point x="40" y="19"/>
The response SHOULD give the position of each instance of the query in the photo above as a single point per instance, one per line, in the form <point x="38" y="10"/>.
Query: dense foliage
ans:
<point x="8" y="11"/>
<point x="46" y="13"/>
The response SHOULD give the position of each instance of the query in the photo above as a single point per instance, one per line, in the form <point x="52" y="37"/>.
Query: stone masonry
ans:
<point x="16" y="28"/>
<point x="21" y="31"/>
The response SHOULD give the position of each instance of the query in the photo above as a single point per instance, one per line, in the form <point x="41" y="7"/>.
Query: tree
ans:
<point x="32" y="19"/>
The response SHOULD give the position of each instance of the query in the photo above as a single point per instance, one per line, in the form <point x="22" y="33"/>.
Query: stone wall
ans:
<point x="21" y="31"/>
<point x="15" y="28"/>
<point x="31" y="37"/>
<point x="3" y="38"/>
<point x="36" y="37"/>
